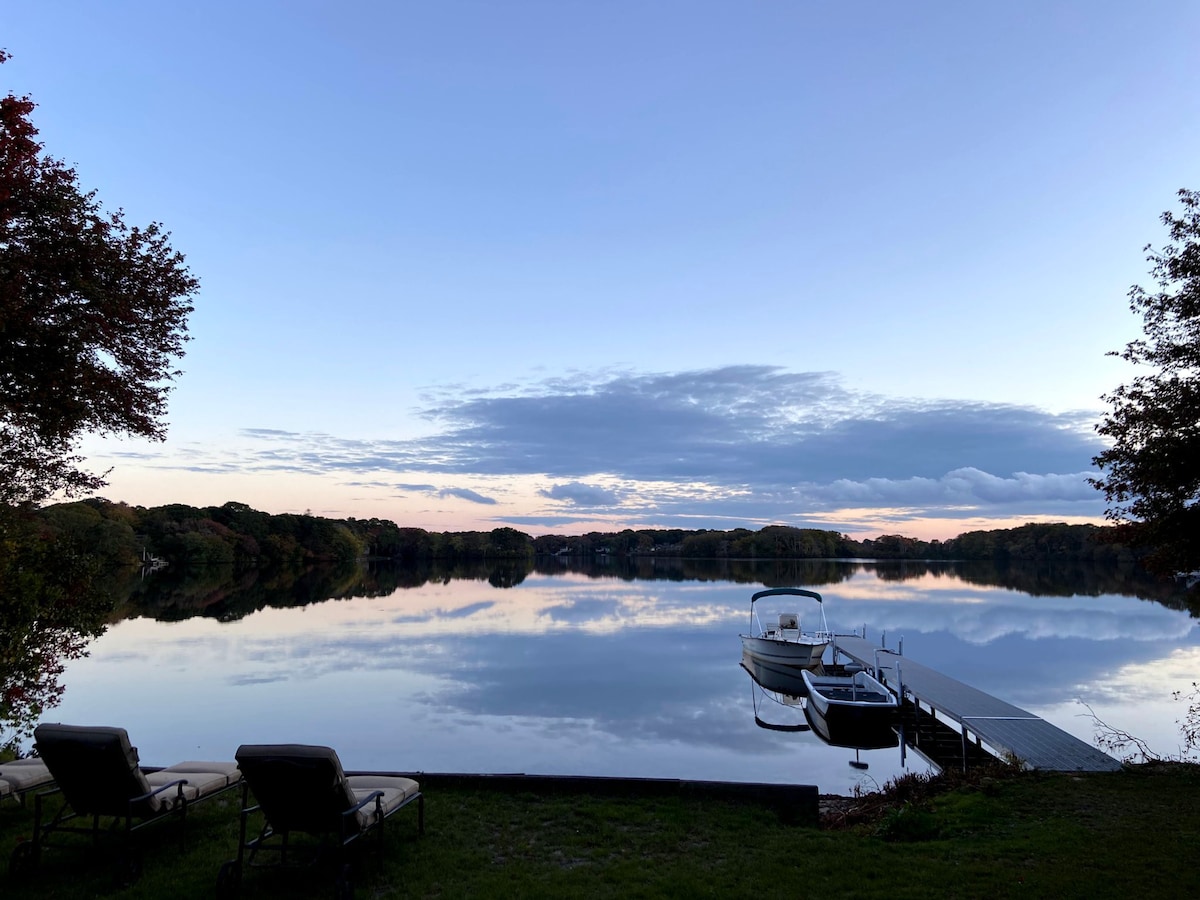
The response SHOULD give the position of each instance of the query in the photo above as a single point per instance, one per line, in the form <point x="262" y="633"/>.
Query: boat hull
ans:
<point x="850" y="702"/>
<point x="799" y="654"/>
<point x="865" y="732"/>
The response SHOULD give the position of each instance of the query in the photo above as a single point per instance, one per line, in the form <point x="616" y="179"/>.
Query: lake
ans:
<point x="610" y="668"/>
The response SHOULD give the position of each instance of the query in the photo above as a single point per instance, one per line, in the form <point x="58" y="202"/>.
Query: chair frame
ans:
<point x="271" y="839"/>
<point x="137" y="814"/>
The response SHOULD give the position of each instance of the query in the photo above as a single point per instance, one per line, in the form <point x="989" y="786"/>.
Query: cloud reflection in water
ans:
<point x="593" y="675"/>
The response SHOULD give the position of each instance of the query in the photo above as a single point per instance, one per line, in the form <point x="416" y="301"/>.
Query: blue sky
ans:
<point x="571" y="266"/>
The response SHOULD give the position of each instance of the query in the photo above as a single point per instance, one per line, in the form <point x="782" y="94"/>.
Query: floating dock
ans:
<point x="1004" y="730"/>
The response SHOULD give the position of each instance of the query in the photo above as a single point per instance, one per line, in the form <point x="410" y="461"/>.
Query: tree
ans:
<point x="92" y="313"/>
<point x="1151" y="473"/>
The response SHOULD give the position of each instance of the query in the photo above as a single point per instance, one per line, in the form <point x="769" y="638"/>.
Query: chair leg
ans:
<point x="229" y="880"/>
<point x="344" y="887"/>
<point x="23" y="861"/>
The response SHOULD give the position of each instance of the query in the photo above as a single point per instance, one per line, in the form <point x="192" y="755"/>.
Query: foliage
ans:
<point x="1035" y="541"/>
<point x="907" y="823"/>
<point x="244" y="537"/>
<point x="1038" y="541"/>
<point x="1119" y="742"/>
<point x="1189" y="725"/>
<point x="1134" y="749"/>
<point x="1151" y="473"/>
<point x="92" y="313"/>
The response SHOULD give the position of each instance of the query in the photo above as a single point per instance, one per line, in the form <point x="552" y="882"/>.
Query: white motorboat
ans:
<point x="784" y="642"/>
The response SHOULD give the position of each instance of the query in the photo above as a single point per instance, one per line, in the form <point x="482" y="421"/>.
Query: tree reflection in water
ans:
<point x="224" y="593"/>
<point x="53" y="603"/>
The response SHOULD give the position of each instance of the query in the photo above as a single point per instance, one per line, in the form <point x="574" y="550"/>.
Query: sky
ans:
<point x="569" y="266"/>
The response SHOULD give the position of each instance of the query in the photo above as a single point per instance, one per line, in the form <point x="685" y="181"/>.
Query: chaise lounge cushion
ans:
<point x="396" y="790"/>
<point x="202" y="778"/>
<point x="20" y="775"/>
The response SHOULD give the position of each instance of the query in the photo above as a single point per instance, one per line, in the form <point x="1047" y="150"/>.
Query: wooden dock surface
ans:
<point x="1006" y="729"/>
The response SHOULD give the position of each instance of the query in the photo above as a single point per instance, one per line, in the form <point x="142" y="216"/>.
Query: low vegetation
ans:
<point x="992" y="835"/>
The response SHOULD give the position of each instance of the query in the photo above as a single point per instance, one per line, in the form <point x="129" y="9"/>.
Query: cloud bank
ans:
<point x="731" y="445"/>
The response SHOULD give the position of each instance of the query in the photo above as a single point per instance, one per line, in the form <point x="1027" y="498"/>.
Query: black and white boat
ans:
<point x="851" y="709"/>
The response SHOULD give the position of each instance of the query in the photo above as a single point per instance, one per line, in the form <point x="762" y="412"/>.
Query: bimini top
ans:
<point x="795" y="592"/>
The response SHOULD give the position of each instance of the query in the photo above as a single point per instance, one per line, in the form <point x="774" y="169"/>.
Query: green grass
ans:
<point x="1028" y="835"/>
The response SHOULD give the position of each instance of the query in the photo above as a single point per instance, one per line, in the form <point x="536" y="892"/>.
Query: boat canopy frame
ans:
<point x="756" y="625"/>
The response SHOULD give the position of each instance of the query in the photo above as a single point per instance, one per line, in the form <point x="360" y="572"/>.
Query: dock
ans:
<point x="1004" y="730"/>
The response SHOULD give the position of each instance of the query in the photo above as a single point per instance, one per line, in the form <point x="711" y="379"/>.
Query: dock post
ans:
<point x="901" y="650"/>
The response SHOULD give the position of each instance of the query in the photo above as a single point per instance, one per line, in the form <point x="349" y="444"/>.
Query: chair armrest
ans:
<point x="179" y="782"/>
<point x="363" y="802"/>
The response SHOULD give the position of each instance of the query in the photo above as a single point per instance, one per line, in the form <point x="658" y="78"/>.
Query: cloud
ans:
<point x="467" y="494"/>
<point x="580" y="494"/>
<point x="394" y="486"/>
<point x="738" y="444"/>
<point x="752" y="425"/>
<point x="961" y="487"/>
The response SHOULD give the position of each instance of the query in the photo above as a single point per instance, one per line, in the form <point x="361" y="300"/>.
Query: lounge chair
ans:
<point x="98" y="777"/>
<point x="302" y="788"/>
<point x="20" y="776"/>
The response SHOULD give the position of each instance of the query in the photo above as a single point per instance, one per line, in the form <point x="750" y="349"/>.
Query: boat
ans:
<point x="784" y="643"/>
<point x="865" y="733"/>
<point x="851" y="708"/>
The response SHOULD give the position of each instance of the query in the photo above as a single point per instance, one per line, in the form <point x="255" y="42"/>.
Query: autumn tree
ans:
<point x="1151" y="473"/>
<point x="93" y="314"/>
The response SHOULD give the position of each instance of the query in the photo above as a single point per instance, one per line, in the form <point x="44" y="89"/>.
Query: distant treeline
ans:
<point x="235" y="534"/>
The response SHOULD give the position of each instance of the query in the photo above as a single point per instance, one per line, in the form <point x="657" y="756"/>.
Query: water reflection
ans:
<point x="777" y="695"/>
<point x="580" y="670"/>
<point x="221" y="592"/>
<point x="781" y="703"/>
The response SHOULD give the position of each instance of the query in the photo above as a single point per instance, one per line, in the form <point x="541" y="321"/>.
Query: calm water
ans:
<point x="614" y="672"/>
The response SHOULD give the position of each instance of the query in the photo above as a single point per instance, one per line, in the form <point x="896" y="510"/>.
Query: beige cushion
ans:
<point x="202" y="778"/>
<point x="23" y="774"/>
<point x="227" y="771"/>
<point x="395" y="791"/>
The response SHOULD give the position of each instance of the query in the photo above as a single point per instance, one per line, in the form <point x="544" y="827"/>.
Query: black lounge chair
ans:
<point x="303" y="789"/>
<point x="96" y="772"/>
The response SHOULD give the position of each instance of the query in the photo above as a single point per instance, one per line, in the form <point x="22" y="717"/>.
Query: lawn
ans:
<point x="1004" y="835"/>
